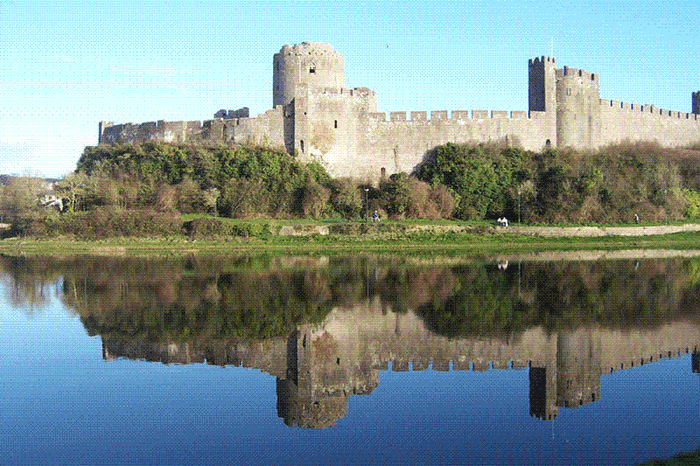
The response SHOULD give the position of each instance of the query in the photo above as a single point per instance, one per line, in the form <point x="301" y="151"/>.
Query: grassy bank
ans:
<point x="412" y="237"/>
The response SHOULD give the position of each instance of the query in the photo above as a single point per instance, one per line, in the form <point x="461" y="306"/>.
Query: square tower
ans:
<point x="542" y="90"/>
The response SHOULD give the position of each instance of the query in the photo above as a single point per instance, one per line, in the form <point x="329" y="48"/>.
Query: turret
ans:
<point x="578" y="367"/>
<point x="543" y="393"/>
<point x="696" y="103"/>
<point x="311" y="64"/>
<point x="578" y="108"/>
<point x="542" y="84"/>
<point x="542" y="95"/>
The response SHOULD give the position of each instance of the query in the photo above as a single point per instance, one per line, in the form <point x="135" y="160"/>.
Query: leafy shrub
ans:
<point x="107" y="222"/>
<point x="207" y="227"/>
<point x="692" y="199"/>
<point x="345" y="198"/>
<point x="314" y="199"/>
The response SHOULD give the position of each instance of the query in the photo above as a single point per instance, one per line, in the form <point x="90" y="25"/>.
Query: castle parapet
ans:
<point x="568" y="72"/>
<point x="542" y="59"/>
<point x="243" y="112"/>
<point x="422" y="116"/>
<point x="397" y="116"/>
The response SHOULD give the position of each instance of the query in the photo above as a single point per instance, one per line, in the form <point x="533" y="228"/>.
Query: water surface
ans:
<point x="374" y="360"/>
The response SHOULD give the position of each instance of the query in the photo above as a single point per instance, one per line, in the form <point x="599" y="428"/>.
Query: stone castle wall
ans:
<point x="401" y="141"/>
<point x="317" y="118"/>
<point x="622" y="120"/>
<point x="267" y="128"/>
<point x="319" y="366"/>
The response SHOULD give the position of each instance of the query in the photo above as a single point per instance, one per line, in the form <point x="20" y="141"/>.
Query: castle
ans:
<point x="317" y="118"/>
<point x="318" y="367"/>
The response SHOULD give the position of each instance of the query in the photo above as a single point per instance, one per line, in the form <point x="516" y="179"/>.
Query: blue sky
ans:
<point x="64" y="66"/>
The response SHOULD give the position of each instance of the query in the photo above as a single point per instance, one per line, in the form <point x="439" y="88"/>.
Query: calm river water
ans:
<point x="370" y="360"/>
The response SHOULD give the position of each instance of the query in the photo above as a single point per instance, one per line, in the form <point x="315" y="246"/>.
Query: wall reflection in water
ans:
<point x="325" y="328"/>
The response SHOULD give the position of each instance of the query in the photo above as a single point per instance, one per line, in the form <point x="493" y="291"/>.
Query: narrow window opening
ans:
<point x="548" y="144"/>
<point x="301" y="145"/>
<point x="312" y="70"/>
<point x="335" y="124"/>
<point x="337" y="361"/>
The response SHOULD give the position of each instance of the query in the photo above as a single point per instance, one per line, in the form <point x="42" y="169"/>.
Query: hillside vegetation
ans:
<point x="142" y="190"/>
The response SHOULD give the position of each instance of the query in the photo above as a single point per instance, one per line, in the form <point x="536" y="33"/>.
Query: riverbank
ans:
<point x="390" y="237"/>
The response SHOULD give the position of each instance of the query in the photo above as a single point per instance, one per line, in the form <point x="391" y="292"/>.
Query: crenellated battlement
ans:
<point x="650" y="110"/>
<point x="423" y="116"/>
<point x="568" y="73"/>
<point x="542" y="59"/>
<point x="358" y="92"/>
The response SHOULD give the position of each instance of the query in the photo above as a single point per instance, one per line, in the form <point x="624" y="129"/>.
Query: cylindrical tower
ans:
<point x="313" y="64"/>
<point x="578" y="108"/>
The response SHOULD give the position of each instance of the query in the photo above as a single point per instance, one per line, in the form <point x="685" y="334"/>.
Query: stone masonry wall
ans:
<point x="622" y="121"/>
<point x="401" y="142"/>
<point x="267" y="128"/>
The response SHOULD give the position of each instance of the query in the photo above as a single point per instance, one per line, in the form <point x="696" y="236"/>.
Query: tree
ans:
<point x="20" y="198"/>
<point x="73" y="188"/>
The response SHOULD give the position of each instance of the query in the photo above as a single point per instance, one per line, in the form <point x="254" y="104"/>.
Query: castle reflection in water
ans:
<point x="326" y="327"/>
<point x="318" y="367"/>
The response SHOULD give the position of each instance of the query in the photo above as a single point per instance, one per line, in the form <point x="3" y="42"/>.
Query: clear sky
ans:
<point x="64" y="66"/>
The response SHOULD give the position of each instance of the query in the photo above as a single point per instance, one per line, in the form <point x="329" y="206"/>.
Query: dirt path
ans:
<point x="598" y="231"/>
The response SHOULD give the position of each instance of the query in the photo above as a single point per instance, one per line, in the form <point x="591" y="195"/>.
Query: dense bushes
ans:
<point x="234" y="182"/>
<point x="483" y="179"/>
<point x="139" y="189"/>
<point x="106" y="223"/>
<point x="409" y="197"/>
<point x="240" y="182"/>
<point x="208" y="228"/>
<point x="609" y="185"/>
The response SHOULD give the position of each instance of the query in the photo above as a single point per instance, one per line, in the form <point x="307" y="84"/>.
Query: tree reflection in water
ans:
<point x="325" y="327"/>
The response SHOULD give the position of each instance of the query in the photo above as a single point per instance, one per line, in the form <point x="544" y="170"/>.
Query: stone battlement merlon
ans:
<point x="649" y="109"/>
<point x="453" y="115"/>
<point x="542" y="59"/>
<point x="651" y="358"/>
<point x="568" y="72"/>
<point x="360" y="92"/>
